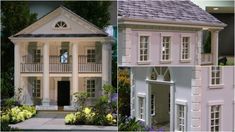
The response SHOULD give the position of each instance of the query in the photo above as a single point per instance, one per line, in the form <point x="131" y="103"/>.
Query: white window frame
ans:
<point x="182" y="49"/>
<point x="184" y="104"/>
<point x="220" y="85"/>
<point x="90" y="48"/>
<point x="35" y="89"/>
<point x="141" y="96"/>
<point x="153" y="105"/>
<point x="35" y="50"/>
<point x="215" y="103"/>
<point x="86" y="86"/>
<point x="148" y="48"/>
<point x="161" y="50"/>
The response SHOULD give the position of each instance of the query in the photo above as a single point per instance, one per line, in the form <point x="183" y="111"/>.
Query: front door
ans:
<point x="63" y="97"/>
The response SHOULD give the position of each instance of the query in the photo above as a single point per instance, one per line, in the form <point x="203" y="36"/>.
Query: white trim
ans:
<point x="181" y="48"/>
<point x="148" y="48"/>
<point x="221" y="85"/>
<point x="141" y="95"/>
<point x="90" y="48"/>
<point x="162" y="35"/>
<point x="183" y="103"/>
<point x="212" y="103"/>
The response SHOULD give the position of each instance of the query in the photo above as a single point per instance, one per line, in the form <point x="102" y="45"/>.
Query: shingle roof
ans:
<point x="169" y="10"/>
<point x="60" y="35"/>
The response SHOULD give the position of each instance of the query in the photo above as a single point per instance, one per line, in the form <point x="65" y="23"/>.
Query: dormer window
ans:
<point x="61" y="25"/>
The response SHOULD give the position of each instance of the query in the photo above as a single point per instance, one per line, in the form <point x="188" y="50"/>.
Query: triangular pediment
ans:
<point x="74" y="24"/>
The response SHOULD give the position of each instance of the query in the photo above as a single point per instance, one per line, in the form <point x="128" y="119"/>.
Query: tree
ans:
<point x="123" y="92"/>
<point x="15" y="16"/>
<point x="95" y="12"/>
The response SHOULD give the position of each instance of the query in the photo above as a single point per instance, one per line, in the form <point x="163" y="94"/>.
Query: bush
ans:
<point x="70" y="118"/>
<point x="131" y="124"/>
<point x="8" y="104"/>
<point x="18" y="114"/>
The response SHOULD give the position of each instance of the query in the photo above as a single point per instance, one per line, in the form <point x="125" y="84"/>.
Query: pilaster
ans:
<point x="198" y="48"/>
<point x="105" y="63"/>
<point x="127" y="42"/>
<point x="214" y="46"/>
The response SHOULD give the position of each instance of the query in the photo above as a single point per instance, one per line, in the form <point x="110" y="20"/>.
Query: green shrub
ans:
<point x="130" y="124"/>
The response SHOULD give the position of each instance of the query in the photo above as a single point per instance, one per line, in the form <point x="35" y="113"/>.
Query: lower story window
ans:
<point x="215" y="113"/>
<point x="141" y="108"/>
<point x="36" y="88"/>
<point x="181" y="117"/>
<point x="152" y="104"/>
<point x="90" y="85"/>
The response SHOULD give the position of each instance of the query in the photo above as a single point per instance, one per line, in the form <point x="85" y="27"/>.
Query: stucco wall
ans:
<point x="182" y="77"/>
<point x="224" y="94"/>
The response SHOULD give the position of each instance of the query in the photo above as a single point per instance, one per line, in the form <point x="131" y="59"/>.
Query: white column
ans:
<point x="172" y="107"/>
<point x="105" y="64"/>
<point x="214" y="46"/>
<point x="75" y="67"/>
<point x="17" y="62"/>
<point x="46" y="99"/>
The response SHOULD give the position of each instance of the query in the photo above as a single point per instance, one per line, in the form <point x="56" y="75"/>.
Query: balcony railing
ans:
<point x="30" y="64"/>
<point x="206" y="58"/>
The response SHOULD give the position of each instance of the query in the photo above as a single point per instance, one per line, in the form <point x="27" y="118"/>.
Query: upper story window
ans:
<point x="64" y="55"/>
<point x="61" y="25"/>
<point x="36" y="55"/>
<point x="165" y="48"/>
<point x="143" y="48"/>
<point x="216" y="75"/>
<point x="185" y="48"/>
<point x="91" y="55"/>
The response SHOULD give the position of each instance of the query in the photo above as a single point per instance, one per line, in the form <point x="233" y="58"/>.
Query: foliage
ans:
<point x="14" y="17"/>
<point x="131" y="124"/>
<point x="123" y="92"/>
<point x="15" y="115"/>
<point x="8" y="104"/>
<point x="88" y="116"/>
<point x="102" y="105"/>
<point x="80" y="99"/>
<point x="96" y="12"/>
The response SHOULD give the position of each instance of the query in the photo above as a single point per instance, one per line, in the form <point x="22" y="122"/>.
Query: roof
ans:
<point x="166" y="10"/>
<point x="60" y="35"/>
<point x="27" y="32"/>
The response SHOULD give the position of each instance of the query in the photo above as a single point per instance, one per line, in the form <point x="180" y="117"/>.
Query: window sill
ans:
<point x="165" y="61"/>
<point x="141" y="120"/>
<point x="216" y="86"/>
<point x="153" y="114"/>
<point x="143" y="62"/>
<point x="186" y="61"/>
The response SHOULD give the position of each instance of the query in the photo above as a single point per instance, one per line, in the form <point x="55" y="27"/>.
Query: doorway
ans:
<point x="63" y="95"/>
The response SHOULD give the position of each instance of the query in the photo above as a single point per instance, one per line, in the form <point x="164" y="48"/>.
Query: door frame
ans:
<point x="171" y="84"/>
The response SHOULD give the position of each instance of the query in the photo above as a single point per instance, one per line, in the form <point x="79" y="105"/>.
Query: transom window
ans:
<point x="160" y="73"/>
<point x="61" y="25"/>
<point x="141" y="108"/>
<point x="185" y="48"/>
<point x="144" y="48"/>
<point x="181" y="117"/>
<point x="152" y="104"/>
<point x="215" y="114"/>
<point x="90" y="87"/>
<point x="216" y="77"/>
<point x="36" y="88"/>
<point x="91" y="55"/>
<point x="64" y="56"/>
<point x="165" y="48"/>
<point x="36" y="55"/>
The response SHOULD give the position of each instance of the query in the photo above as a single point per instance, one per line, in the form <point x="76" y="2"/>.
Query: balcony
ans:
<point x="35" y="65"/>
<point x="206" y="58"/>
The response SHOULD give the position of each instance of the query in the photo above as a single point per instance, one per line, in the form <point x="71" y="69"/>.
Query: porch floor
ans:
<point x="162" y="126"/>
<point x="54" y="121"/>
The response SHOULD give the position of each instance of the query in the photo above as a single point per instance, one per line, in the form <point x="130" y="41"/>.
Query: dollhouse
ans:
<point x="165" y="32"/>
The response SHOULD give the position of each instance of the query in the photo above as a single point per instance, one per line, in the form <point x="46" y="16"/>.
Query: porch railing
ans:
<point x="206" y="58"/>
<point x="31" y="67"/>
<point x="85" y="65"/>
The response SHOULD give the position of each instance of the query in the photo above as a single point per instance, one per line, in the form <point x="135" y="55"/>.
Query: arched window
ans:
<point x="61" y="25"/>
<point x="160" y="73"/>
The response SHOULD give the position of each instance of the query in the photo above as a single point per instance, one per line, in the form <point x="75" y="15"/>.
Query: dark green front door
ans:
<point x="63" y="97"/>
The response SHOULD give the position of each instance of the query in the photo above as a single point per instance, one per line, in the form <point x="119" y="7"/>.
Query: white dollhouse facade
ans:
<point x="184" y="98"/>
<point x="165" y="33"/>
<point x="58" y="55"/>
